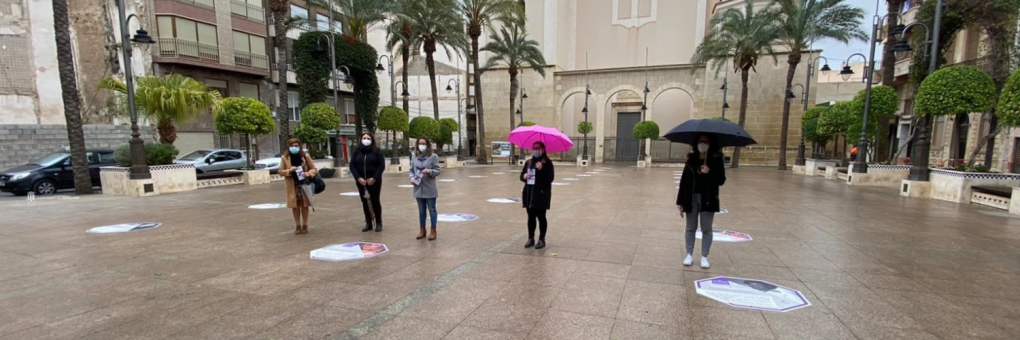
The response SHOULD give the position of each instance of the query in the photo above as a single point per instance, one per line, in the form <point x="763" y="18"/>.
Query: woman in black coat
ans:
<point x="367" y="166"/>
<point x="698" y="197"/>
<point x="537" y="175"/>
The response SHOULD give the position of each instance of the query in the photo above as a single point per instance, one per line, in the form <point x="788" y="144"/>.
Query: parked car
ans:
<point x="52" y="172"/>
<point x="271" y="164"/>
<point x="215" y="160"/>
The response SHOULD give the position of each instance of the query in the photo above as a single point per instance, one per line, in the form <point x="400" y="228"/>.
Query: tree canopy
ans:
<point x="955" y="90"/>
<point x="646" y="130"/>
<point x="1008" y="110"/>
<point x="425" y="127"/>
<point x="320" y="116"/>
<point x="244" y="115"/>
<point x="393" y="119"/>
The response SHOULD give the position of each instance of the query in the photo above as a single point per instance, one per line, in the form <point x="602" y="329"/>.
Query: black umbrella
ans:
<point x="725" y="133"/>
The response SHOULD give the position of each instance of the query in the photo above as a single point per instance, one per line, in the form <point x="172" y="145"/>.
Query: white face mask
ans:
<point x="366" y="142"/>
<point x="422" y="148"/>
<point x="702" y="147"/>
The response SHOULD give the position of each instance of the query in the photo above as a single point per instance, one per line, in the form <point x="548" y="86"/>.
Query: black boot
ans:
<point x="541" y="244"/>
<point x="378" y="226"/>
<point x="368" y="227"/>
<point x="530" y="243"/>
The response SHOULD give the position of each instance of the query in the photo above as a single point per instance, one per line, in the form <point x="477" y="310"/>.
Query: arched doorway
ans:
<point x="571" y="116"/>
<point x="623" y="112"/>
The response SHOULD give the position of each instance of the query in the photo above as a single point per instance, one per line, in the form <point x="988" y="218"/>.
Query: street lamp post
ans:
<point x="460" y="137"/>
<point x="801" y="160"/>
<point x="725" y="88"/>
<point x="349" y="80"/>
<point x="520" y="110"/>
<point x="919" y="165"/>
<point x="139" y="168"/>
<point x="587" y="93"/>
<point x="394" y="157"/>
<point x="861" y="164"/>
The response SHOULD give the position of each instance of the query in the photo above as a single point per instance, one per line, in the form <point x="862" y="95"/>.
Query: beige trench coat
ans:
<point x="309" y="169"/>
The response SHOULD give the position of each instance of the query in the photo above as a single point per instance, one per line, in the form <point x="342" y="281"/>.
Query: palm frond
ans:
<point x="173" y="98"/>
<point x="740" y="35"/>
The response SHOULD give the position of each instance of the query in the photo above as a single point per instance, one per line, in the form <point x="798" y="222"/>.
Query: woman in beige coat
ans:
<point x="293" y="163"/>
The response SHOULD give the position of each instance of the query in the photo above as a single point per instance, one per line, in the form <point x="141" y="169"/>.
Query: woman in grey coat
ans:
<point x="424" y="171"/>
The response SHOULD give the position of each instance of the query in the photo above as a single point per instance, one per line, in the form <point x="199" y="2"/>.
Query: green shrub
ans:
<point x="646" y="130"/>
<point x="319" y="154"/>
<point x="450" y="122"/>
<point x="584" y="128"/>
<point x="955" y="90"/>
<point x="1008" y="110"/>
<point x="155" y="154"/>
<point x="425" y="127"/>
<point x="310" y="135"/>
<point x="244" y="115"/>
<point x="526" y="123"/>
<point x="321" y="116"/>
<point x="393" y="119"/>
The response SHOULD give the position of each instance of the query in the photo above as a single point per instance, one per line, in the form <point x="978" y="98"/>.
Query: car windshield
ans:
<point x="50" y="159"/>
<point x="194" y="156"/>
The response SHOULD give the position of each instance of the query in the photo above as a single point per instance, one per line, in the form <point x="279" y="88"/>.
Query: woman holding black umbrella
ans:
<point x="698" y="197"/>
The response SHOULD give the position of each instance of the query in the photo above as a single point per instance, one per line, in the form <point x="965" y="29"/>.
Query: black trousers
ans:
<point x="373" y="191"/>
<point x="537" y="216"/>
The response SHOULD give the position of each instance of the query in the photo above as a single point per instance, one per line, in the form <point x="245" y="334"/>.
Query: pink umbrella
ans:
<point x="526" y="136"/>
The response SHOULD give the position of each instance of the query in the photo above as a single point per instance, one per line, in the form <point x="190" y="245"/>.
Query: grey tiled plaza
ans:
<point x="872" y="264"/>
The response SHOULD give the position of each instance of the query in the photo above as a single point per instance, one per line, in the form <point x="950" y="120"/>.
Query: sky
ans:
<point x="837" y="52"/>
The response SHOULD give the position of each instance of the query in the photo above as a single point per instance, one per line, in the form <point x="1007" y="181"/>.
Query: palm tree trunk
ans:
<point x="784" y="134"/>
<point x="431" y="64"/>
<point x="480" y="126"/>
<point x="888" y="56"/>
<point x="743" y="111"/>
<point x="513" y="91"/>
<point x="167" y="131"/>
<point x="72" y="102"/>
<point x="282" y="111"/>
<point x="405" y="56"/>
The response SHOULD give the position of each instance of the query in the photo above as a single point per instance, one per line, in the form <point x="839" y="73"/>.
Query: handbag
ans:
<point x="318" y="184"/>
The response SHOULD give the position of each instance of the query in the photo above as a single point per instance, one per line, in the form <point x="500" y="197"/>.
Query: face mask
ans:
<point x="422" y="148"/>
<point x="366" y="142"/>
<point x="702" y="147"/>
<point x="294" y="149"/>
<point x="537" y="153"/>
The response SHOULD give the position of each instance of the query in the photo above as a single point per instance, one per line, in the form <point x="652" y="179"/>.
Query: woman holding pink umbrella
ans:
<point x="538" y="174"/>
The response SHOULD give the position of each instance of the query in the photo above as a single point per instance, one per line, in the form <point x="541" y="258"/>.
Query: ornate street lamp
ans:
<point x="139" y="167"/>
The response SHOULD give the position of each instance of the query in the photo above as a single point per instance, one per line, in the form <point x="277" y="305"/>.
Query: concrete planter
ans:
<point x="811" y="166"/>
<point x="1014" y="202"/>
<point x="451" y="162"/>
<point x="581" y="162"/>
<point x="879" y="175"/>
<point x="165" y="179"/>
<point x="646" y="163"/>
<point x="955" y="186"/>
<point x="254" y="177"/>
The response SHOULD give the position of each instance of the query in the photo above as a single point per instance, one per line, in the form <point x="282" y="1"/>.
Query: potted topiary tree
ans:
<point x="645" y="131"/>
<point x="448" y="124"/>
<point x="316" y="119"/>
<point x="835" y="122"/>
<point x="424" y="127"/>
<point x="958" y="90"/>
<point x="583" y="128"/>
<point x="392" y="119"/>
<point x="250" y="117"/>
<point x="809" y="126"/>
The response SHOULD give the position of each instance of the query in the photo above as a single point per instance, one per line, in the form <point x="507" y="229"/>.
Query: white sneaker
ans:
<point x="688" y="260"/>
<point x="704" y="262"/>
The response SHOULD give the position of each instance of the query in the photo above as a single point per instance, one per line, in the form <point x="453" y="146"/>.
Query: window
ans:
<point x="193" y="39"/>
<point x="322" y="22"/>
<point x="106" y="158"/>
<point x="349" y="109"/>
<point x="250" y="51"/>
<point x="232" y="155"/>
<point x="937" y="132"/>
<point x="298" y="12"/>
<point x="292" y="106"/>
<point x="249" y="90"/>
<point x="224" y="141"/>
<point x="218" y="85"/>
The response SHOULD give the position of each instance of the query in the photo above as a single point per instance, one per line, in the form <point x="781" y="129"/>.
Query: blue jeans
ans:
<point x="422" y="204"/>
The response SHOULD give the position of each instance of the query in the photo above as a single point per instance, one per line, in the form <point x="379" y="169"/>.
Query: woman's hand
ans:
<point x="527" y="177"/>
<point x="539" y="165"/>
<point x="371" y="181"/>
<point x="362" y="181"/>
<point x="704" y="169"/>
<point x="680" y="208"/>
<point x="426" y="171"/>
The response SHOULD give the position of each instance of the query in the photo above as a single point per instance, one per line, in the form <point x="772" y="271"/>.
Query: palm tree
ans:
<point x="361" y="15"/>
<point x="803" y="22"/>
<point x="281" y="14"/>
<point x="72" y="103"/>
<point x="435" y="24"/>
<point x="168" y="100"/>
<point x="512" y="48"/>
<point x="741" y="36"/>
<point x="483" y="14"/>
<point x="400" y="38"/>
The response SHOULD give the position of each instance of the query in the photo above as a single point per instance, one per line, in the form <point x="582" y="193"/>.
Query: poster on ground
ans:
<point x="123" y="228"/>
<point x="726" y="236"/>
<point x="751" y="294"/>
<point x="501" y="149"/>
<point x="504" y="200"/>
<point x="457" y="217"/>
<point x="349" y="193"/>
<point x="268" y="206"/>
<point x="348" y="251"/>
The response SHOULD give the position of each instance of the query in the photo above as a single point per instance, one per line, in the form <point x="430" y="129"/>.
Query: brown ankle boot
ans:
<point x="304" y="229"/>
<point x="432" y="237"/>
<point x="421" y="234"/>
<point x="297" y="229"/>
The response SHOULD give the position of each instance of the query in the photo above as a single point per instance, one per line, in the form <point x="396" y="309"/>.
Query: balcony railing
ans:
<point x="250" y="60"/>
<point x="184" y="49"/>
<point x="982" y="63"/>
<point x="249" y="11"/>
<point x="210" y="4"/>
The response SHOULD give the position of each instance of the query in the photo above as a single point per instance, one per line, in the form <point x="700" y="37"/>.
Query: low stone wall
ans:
<point x="164" y="179"/>
<point x="811" y="166"/>
<point x="955" y="186"/>
<point x="879" y="175"/>
<point x="21" y="143"/>
<point x="1014" y="202"/>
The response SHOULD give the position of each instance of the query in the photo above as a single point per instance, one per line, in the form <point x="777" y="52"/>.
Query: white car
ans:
<point x="215" y="160"/>
<point x="271" y="164"/>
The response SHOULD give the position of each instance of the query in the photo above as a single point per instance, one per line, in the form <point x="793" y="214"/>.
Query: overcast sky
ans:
<point x="837" y="52"/>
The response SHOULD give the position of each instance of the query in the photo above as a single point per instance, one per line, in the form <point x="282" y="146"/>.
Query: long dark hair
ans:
<point x="713" y="147"/>
<point x="371" y="148"/>
<point x="545" y="153"/>
<point x="428" y="147"/>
